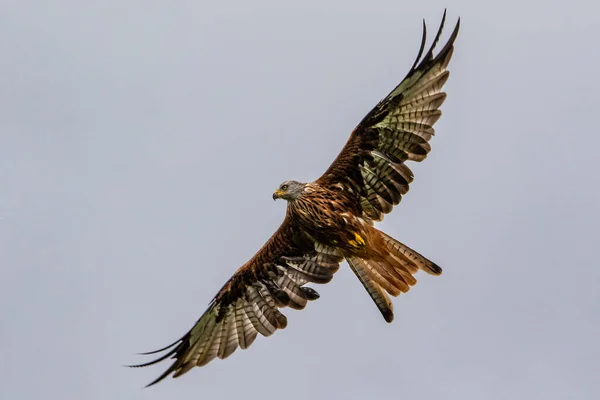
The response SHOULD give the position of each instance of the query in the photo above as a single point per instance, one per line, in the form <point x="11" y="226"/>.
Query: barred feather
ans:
<point x="381" y="299"/>
<point x="398" y="129"/>
<point x="248" y="305"/>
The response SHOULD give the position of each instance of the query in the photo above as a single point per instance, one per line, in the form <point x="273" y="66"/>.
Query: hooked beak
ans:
<point x="277" y="194"/>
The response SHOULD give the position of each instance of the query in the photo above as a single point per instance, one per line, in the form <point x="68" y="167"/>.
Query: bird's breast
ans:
<point x="326" y="218"/>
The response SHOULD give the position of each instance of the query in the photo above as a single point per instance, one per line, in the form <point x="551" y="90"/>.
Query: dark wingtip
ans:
<point x="436" y="39"/>
<point x="170" y="370"/>
<point x="422" y="47"/>
<point x="423" y="62"/>
<point x="160" y="350"/>
<point x="170" y="353"/>
<point x="160" y="378"/>
<point x="429" y="59"/>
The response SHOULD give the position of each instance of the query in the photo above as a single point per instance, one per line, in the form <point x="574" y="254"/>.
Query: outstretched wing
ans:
<point x="249" y="303"/>
<point x="371" y="164"/>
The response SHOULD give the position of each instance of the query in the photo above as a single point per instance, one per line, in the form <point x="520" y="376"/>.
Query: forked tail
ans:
<point x="392" y="272"/>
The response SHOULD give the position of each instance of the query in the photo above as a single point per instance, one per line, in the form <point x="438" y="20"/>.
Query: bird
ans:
<point x="330" y="220"/>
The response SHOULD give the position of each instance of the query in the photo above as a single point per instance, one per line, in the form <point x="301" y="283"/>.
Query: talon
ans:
<point x="357" y="242"/>
<point x="359" y="239"/>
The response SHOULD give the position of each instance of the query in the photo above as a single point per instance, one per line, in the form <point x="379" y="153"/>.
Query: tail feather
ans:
<point x="401" y="278"/>
<point x="379" y="296"/>
<point x="404" y="269"/>
<point x="404" y="252"/>
<point x="382" y="277"/>
<point x="389" y="271"/>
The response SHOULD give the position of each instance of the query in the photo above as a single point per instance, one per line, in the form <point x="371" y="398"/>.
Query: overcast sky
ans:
<point x="140" y="143"/>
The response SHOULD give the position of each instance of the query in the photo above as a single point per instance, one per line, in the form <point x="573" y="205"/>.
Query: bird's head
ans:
<point x="289" y="190"/>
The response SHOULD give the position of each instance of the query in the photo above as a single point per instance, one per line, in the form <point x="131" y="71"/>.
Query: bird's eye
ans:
<point x="284" y="187"/>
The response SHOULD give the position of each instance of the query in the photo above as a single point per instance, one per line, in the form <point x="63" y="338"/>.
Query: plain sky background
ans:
<point x="140" y="143"/>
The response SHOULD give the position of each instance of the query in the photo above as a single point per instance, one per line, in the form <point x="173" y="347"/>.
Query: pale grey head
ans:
<point x="289" y="190"/>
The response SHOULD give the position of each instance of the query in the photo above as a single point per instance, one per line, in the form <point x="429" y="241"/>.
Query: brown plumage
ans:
<point x="329" y="220"/>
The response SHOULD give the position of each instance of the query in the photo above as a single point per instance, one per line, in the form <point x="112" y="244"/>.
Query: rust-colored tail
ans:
<point x="390" y="270"/>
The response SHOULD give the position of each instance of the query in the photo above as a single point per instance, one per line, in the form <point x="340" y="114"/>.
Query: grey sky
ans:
<point x="140" y="145"/>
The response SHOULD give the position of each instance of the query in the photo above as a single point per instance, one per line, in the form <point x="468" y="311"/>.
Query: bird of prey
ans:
<point x="329" y="220"/>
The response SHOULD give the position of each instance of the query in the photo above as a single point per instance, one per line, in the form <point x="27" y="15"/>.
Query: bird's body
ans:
<point x="327" y="215"/>
<point x="329" y="220"/>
